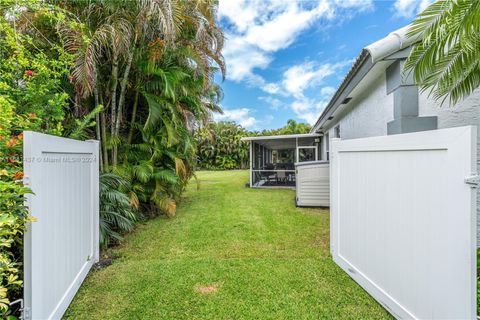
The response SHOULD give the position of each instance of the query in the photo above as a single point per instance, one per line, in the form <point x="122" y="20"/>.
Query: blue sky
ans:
<point x="285" y="58"/>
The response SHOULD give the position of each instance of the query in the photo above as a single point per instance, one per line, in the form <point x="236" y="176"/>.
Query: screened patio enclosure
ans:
<point x="273" y="158"/>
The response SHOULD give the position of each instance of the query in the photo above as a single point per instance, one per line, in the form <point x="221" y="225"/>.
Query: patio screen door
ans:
<point x="403" y="220"/>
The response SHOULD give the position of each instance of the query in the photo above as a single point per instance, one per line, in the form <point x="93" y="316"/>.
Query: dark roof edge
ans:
<point x="397" y="41"/>
<point x="361" y="60"/>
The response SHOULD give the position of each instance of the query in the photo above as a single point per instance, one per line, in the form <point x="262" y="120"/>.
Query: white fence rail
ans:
<point x="62" y="245"/>
<point x="403" y="220"/>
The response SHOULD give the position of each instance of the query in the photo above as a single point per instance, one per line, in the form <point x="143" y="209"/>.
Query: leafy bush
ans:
<point x="31" y="80"/>
<point x="157" y="175"/>
<point x="30" y="99"/>
<point x="116" y="213"/>
<point x="155" y="81"/>
<point x="13" y="214"/>
<point x="12" y="225"/>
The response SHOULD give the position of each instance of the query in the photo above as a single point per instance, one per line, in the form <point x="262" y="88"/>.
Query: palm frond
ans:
<point x="116" y="212"/>
<point x="166" y="205"/>
<point x="446" y="59"/>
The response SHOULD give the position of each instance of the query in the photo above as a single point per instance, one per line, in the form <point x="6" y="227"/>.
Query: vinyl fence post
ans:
<point x="96" y="198"/>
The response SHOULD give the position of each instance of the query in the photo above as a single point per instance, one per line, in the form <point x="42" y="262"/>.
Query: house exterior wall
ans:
<point x="367" y="116"/>
<point x="464" y="113"/>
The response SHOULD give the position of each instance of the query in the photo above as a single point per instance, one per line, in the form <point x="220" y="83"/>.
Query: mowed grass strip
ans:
<point x="230" y="253"/>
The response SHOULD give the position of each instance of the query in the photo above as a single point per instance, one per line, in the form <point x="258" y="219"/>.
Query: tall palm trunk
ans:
<point x="113" y="101"/>
<point x="97" y="127"/>
<point x="134" y="115"/>
<point x="121" y="102"/>
<point x="77" y="105"/>
<point x="103" y="129"/>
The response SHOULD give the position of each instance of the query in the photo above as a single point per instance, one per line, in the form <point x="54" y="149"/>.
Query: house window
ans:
<point x="327" y="147"/>
<point x="337" y="131"/>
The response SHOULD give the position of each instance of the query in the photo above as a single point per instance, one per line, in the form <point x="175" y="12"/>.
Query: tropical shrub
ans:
<point x="219" y="146"/>
<point x="117" y="215"/>
<point x="31" y="98"/>
<point x="31" y="79"/>
<point x="13" y="214"/>
<point x="150" y="64"/>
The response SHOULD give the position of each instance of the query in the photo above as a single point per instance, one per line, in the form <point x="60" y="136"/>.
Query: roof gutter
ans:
<point x="360" y="68"/>
<point x="396" y="41"/>
<point x="278" y="137"/>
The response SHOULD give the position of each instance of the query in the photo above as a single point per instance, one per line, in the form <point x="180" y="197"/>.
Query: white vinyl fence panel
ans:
<point x="313" y="184"/>
<point x="403" y="220"/>
<point x="62" y="245"/>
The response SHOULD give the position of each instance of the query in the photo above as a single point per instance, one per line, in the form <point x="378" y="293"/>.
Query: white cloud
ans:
<point x="242" y="58"/>
<point x="300" y="77"/>
<point x="424" y="4"/>
<point x="240" y="13"/>
<point x="241" y="116"/>
<point x="274" y="103"/>
<point x="289" y="19"/>
<point x="271" y="88"/>
<point x="301" y="106"/>
<point x="259" y="29"/>
<point x="256" y="29"/>
<point x="409" y="8"/>
<point x="358" y="4"/>
<point x="327" y="91"/>
<point x="310" y="109"/>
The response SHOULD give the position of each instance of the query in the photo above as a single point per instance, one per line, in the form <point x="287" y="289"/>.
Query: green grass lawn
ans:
<point x="230" y="253"/>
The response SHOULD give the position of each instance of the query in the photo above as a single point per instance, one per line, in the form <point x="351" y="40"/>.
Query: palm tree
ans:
<point x="150" y="62"/>
<point x="160" y="155"/>
<point x="219" y="146"/>
<point x="117" y="35"/>
<point x="447" y="59"/>
<point x="98" y="33"/>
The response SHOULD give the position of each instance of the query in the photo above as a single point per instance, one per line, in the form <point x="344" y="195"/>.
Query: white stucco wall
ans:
<point x="464" y="113"/>
<point x="367" y="116"/>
